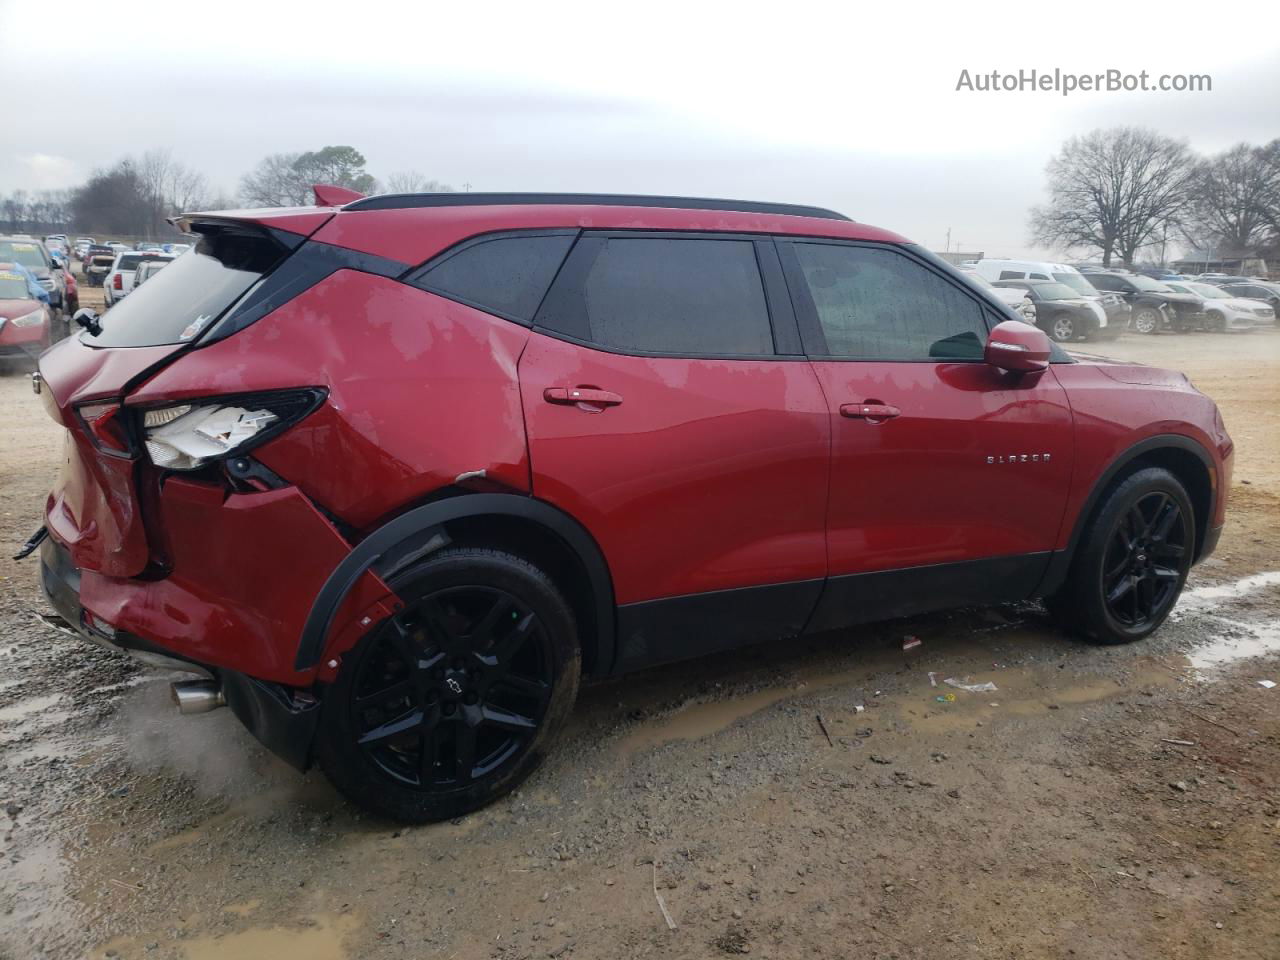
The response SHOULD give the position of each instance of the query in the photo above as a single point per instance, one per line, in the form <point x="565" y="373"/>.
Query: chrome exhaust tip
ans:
<point x="196" y="696"/>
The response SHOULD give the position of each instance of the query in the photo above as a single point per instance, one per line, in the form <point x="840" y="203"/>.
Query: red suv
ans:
<point x="396" y="474"/>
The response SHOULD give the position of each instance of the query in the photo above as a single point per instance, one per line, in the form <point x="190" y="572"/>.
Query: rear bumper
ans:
<point x="283" y="719"/>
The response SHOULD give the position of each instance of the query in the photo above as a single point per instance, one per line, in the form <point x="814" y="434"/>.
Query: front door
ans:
<point x="948" y="477"/>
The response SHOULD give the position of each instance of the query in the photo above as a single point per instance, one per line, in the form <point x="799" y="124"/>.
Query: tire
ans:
<point x="1216" y="322"/>
<point x="1146" y="320"/>
<point x="1063" y="328"/>
<point x="432" y="700"/>
<point x="1132" y="560"/>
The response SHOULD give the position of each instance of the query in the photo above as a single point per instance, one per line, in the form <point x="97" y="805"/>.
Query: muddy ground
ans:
<point x="1102" y="803"/>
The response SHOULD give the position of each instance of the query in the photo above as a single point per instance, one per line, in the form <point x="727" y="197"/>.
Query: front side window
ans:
<point x="878" y="304"/>
<point x="507" y="276"/>
<point x="697" y="297"/>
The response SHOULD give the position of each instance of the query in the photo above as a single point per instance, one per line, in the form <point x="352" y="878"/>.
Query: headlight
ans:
<point x="186" y="437"/>
<point x="32" y="319"/>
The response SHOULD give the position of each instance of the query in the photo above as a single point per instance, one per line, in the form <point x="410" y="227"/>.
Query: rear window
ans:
<point x="507" y="276"/>
<point x="186" y="297"/>
<point x="131" y="261"/>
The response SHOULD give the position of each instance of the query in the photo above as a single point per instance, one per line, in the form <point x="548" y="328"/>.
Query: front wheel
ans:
<point x="1063" y="329"/>
<point x="1146" y="320"/>
<point x="1132" y="560"/>
<point x="453" y="702"/>
<point x="1217" y="322"/>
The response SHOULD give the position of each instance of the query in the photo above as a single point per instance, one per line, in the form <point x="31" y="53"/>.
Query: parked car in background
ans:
<point x="759" y="416"/>
<point x="1016" y="300"/>
<point x="1223" y="310"/>
<point x="119" y="281"/>
<point x="117" y="246"/>
<point x="96" y="263"/>
<point x="33" y="255"/>
<point x="1113" y="312"/>
<point x="26" y="322"/>
<point x="1267" y="292"/>
<point x="148" y="269"/>
<point x="73" y="303"/>
<point x="1154" y="305"/>
<point x="1061" y="312"/>
<point x="147" y="246"/>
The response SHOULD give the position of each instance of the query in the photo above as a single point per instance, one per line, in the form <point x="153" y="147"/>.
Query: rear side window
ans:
<point x="191" y="292"/>
<point x="876" y="304"/>
<point x="1012" y="274"/>
<point x="507" y="276"/>
<point x="698" y="297"/>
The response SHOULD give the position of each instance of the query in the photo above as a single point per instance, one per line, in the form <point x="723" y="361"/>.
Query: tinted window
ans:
<point x="1012" y="274"/>
<point x="506" y="275"/>
<point x="877" y="304"/>
<point x="184" y="298"/>
<point x="665" y="295"/>
<point x="1105" y="283"/>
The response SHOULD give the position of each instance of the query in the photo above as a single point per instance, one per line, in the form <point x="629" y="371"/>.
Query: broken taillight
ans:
<point x="106" y="427"/>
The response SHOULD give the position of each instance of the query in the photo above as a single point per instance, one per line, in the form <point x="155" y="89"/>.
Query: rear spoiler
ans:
<point x="331" y="196"/>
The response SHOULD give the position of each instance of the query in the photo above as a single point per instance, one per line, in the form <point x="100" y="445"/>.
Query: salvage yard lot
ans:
<point x="1101" y="803"/>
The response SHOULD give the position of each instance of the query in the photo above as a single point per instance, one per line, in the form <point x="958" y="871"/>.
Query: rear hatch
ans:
<point x="98" y="505"/>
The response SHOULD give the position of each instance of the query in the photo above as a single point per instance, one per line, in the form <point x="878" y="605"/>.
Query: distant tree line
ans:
<point x="135" y="196"/>
<point x="1124" y="191"/>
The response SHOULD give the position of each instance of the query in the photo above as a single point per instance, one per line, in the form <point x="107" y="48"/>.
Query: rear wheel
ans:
<point x="1132" y="561"/>
<point x="1146" y="320"/>
<point x="453" y="702"/>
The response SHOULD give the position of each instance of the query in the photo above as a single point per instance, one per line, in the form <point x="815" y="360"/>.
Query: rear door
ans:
<point x="670" y="410"/>
<point x="948" y="476"/>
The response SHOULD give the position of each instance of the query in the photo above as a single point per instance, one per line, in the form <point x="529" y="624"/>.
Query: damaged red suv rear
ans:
<point x="391" y="477"/>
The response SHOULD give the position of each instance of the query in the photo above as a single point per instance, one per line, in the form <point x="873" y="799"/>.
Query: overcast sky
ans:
<point x="842" y="105"/>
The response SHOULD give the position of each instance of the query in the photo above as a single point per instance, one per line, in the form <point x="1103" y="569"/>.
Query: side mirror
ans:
<point x="1017" y="347"/>
<point x="89" y="320"/>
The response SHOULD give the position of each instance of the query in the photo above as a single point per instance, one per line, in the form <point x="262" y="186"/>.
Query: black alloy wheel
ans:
<point x="452" y="702"/>
<point x="1142" y="567"/>
<point x="453" y="687"/>
<point x="1131" y="561"/>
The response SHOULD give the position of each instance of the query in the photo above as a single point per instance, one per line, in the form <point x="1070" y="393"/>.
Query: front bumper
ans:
<point x="283" y="719"/>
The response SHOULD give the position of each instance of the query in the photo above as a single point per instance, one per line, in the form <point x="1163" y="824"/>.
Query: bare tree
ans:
<point x="1231" y="197"/>
<point x="1115" y="190"/>
<point x="411" y="181"/>
<point x="286" y="179"/>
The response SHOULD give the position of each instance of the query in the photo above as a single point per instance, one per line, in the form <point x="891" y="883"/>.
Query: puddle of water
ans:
<point x="26" y="709"/>
<point x="321" y="941"/>
<point x="1236" y="639"/>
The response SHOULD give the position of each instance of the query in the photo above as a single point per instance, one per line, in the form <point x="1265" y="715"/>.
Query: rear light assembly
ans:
<point x="187" y="436"/>
<point x="117" y="282"/>
<point x="106" y="427"/>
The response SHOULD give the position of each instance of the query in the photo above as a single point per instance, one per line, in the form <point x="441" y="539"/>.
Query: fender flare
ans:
<point x="413" y="523"/>
<point x="1060" y="565"/>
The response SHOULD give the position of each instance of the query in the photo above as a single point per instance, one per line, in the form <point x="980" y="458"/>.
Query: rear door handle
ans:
<point x="869" y="411"/>
<point x="592" y="396"/>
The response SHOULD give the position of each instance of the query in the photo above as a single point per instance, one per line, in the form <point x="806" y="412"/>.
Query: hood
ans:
<point x="1128" y="371"/>
<point x="18" y="308"/>
<point x="1240" y="303"/>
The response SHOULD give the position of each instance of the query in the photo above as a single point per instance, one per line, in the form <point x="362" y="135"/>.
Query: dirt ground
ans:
<point x="1101" y="803"/>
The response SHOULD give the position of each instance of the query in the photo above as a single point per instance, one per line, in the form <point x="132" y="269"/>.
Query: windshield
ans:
<point x="13" y="286"/>
<point x="182" y="300"/>
<point x="1078" y="283"/>
<point x="1146" y="283"/>
<point x="24" y="252"/>
<point x="1056" y="291"/>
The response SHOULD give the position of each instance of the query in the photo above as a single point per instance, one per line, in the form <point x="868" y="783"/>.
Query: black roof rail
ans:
<point x="396" y="201"/>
